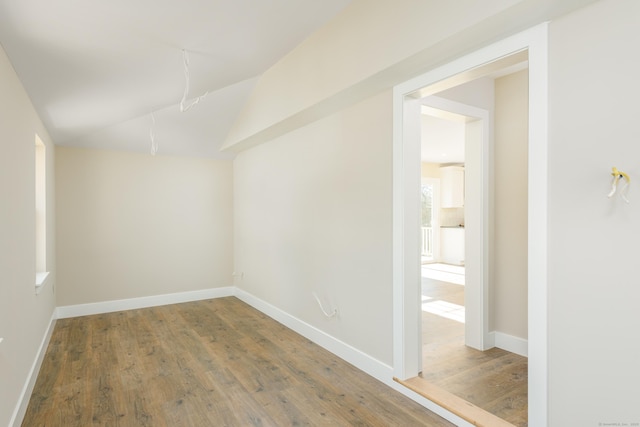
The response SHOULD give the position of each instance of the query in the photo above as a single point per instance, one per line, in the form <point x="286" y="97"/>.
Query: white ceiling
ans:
<point x="95" y="70"/>
<point x="442" y="136"/>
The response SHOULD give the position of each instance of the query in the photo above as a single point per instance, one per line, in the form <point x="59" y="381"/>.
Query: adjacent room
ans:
<point x="218" y="213"/>
<point x="492" y="373"/>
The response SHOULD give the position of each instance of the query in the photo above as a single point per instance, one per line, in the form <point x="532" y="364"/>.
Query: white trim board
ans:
<point x="25" y="394"/>
<point x="142" y="302"/>
<point x="512" y="344"/>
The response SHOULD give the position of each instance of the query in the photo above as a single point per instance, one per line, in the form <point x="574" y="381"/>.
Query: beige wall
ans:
<point x="509" y="266"/>
<point x="313" y="214"/>
<point x="24" y="316"/>
<point x="430" y="170"/>
<point x="594" y="274"/>
<point x="133" y="225"/>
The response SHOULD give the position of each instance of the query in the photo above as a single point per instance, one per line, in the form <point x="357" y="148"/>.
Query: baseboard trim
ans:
<point x="25" y="395"/>
<point x="64" y="312"/>
<point x="510" y="343"/>
<point x="361" y="360"/>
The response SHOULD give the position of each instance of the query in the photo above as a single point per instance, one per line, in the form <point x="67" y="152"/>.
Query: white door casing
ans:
<point x="476" y="214"/>
<point x="406" y="202"/>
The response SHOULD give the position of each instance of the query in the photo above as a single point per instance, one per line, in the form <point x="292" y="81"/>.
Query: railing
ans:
<point x="427" y="241"/>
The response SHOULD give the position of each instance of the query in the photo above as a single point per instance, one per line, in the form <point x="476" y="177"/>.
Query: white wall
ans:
<point x="509" y="267"/>
<point x="24" y="316"/>
<point x="594" y="274"/>
<point x="313" y="214"/>
<point x="133" y="225"/>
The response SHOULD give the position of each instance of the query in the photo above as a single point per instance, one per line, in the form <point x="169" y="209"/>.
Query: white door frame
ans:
<point x="406" y="202"/>
<point x="477" y="214"/>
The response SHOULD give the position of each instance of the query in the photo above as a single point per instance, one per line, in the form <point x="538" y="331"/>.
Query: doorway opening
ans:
<point x="528" y="46"/>
<point x="454" y="139"/>
<point x="459" y="350"/>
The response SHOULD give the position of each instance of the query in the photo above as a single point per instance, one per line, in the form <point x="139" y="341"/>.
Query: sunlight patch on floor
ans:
<point x="444" y="273"/>
<point x="443" y="308"/>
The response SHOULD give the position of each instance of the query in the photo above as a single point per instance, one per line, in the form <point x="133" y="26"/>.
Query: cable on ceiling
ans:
<point x="183" y="106"/>
<point x="152" y="135"/>
<point x="183" y="102"/>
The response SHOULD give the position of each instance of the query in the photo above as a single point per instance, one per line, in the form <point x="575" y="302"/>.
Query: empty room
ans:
<point x="210" y="211"/>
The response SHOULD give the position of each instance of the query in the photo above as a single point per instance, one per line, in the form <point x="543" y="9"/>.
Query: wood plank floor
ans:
<point x="208" y="363"/>
<point x="494" y="380"/>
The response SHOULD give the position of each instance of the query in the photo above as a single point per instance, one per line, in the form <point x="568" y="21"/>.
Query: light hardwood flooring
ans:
<point x="494" y="380"/>
<point x="208" y="363"/>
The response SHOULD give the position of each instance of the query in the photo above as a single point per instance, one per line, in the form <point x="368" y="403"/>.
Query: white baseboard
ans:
<point x="352" y="355"/>
<point x="25" y="395"/>
<point x="142" y="302"/>
<point x="510" y="343"/>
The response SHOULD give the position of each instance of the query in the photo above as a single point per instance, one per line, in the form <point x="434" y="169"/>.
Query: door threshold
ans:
<point x="454" y="404"/>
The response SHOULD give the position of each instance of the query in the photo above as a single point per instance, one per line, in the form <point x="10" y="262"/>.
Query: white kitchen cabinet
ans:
<point x="452" y="245"/>
<point x="452" y="186"/>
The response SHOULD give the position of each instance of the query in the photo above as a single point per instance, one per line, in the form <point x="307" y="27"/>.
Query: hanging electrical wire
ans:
<point x="183" y="106"/>
<point x="152" y="135"/>
<point x="183" y="102"/>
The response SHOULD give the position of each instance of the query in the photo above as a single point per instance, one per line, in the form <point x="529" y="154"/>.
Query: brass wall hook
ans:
<point x="624" y="191"/>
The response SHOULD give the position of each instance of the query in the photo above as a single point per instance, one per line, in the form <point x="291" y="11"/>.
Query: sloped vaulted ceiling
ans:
<point x="95" y="70"/>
